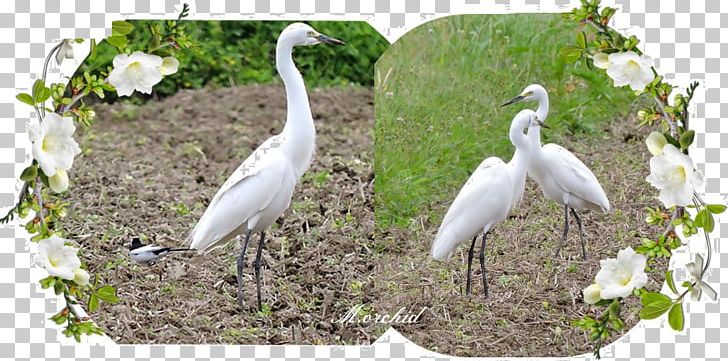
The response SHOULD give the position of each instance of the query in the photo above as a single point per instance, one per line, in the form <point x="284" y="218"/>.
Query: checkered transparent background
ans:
<point x="686" y="38"/>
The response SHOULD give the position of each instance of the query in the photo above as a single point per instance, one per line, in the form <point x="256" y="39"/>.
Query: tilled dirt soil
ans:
<point x="533" y="296"/>
<point x="151" y="170"/>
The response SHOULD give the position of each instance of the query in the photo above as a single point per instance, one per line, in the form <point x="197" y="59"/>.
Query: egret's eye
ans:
<point x="527" y="94"/>
<point x="310" y="34"/>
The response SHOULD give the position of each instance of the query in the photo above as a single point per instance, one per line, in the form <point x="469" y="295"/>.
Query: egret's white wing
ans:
<point x="484" y="198"/>
<point x="573" y="176"/>
<point x="247" y="191"/>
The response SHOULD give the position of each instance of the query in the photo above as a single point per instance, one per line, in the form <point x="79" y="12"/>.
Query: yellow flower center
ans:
<point x="53" y="261"/>
<point x="682" y="173"/>
<point x="633" y="65"/>
<point x="625" y="280"/>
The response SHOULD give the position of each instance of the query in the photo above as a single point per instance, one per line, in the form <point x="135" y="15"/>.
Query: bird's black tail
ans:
<point x="180" y="249"/>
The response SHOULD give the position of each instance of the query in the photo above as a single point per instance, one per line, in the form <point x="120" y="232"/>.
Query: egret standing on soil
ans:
<point x="560" y="174"/>
<point x="486" y="198"/>
<point x="260" y="190"/>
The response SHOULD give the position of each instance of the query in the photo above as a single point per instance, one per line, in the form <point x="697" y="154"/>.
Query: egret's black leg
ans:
<point x="581" y="233"/>
<point x="470" y="262"/>
<point x="482" y="265"/>
<point x="257" y="268"/>
<point x="566" y="230"/>
<point x="241" y="264"/>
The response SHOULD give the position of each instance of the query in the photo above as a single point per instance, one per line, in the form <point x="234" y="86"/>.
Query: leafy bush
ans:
<point x="243" y="52"/>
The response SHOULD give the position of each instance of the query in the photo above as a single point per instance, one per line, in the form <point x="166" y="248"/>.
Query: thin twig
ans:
<point x="45" y="67"/>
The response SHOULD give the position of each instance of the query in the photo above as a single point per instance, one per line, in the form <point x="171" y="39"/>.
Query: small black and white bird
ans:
<point x="149" y="253"/>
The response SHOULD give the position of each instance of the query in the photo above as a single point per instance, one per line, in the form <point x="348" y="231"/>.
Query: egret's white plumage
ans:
<point x="488" y="196"/>
<point x="561" y="176"/>
<point x="260" y="189"/>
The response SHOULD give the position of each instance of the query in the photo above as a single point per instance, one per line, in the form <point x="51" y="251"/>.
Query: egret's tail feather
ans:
<point x="443" y="246"/>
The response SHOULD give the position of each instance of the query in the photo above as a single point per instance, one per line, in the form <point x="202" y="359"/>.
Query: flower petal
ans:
<point x="169" y="65"/>
<point x="59" y="181"/>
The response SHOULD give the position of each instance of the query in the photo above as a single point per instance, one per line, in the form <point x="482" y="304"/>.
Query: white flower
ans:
<point x="695" y="269"/>
<point x="592" y="294"/>
<point x="601" y="60"/>
<point x="57" y="258"/>
<point x="631" y="69"/>
<point x="169" y="65"/>
<point x="65" y="51"/>
<point x="674" y="174"/>
<point x="138" y="71"/>
<point x="618" y="277"/>
<point x="655" y="142"/>
<point x="81" y="277"/>
<point x="53" y="144"/>
<point x="59" y="181"/>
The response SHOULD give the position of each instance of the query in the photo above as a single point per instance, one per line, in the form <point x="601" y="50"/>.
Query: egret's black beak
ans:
<point x="542" y="124"/>
<point x="514" y="100"/>
<point x="329" y="40"/>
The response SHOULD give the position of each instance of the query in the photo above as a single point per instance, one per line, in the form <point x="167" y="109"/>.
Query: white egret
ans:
<point x="560" y="174"/>
<point x="487" y="197"/>
<point x="260" y="189"/>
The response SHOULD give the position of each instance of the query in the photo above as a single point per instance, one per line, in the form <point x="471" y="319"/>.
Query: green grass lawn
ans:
<point x="438" y="93"/>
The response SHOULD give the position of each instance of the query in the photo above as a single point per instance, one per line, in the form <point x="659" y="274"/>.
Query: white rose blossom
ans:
<point x="59" y="181"/>
<point x="592" y="294"/>
<point x="81" y="277"/>
<point x="627" y="68"/>
<point x="695" y="269"/>
<point x="138" y="71"/>
<point x="53" y="144"/>
<point x="601" y="60"/>
<point x="619" y="277"/>
<point x="655" y="142"/>
<point x="65" y="51"/>
<point x="57" y="258"/>
<point x="674" y="174"/>
<point x="169" y="66"/>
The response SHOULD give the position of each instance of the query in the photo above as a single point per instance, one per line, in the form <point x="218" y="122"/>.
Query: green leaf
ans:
<point x="92" y="52"/>
<point x="29" y="173"/>
<point x="117" y="41"/>
<point x="608" y="12"/>
<point x="716" y="208"/>
<point x="59" y="287"/>
<point x="38" y="86"/>
<point x="47" y="282"/>
<point x="655" y="309"/>
<point x="570" y="54"/>
<point x="581" y="40"/>
<point x="676" y="317"/>
<point x="107" y="294"/>
<point x="652" y="297"/>
<point x="670" y="281"/>
<point x="671" y="140"/>
<point x="120" y="27"/>
<point x="26" y="98"/>
<point x="705" y="220"/>
<point x="43" y="95"/>
<point x="93" y="303"/>
<point x="686" y="139"/>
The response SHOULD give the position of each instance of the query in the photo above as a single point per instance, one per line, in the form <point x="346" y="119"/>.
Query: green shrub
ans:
<point x="232" y="53"/>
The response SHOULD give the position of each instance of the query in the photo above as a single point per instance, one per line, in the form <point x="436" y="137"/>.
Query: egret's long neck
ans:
<point x="543" y="107"/>
<point x="541" y="112"/>
<point x="299" y="131"/>
<point x="519" y="163"/>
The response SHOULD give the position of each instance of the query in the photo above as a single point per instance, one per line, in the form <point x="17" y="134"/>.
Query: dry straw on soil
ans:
<point x="151" y="171"/>
<point x="533" y="296"/>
